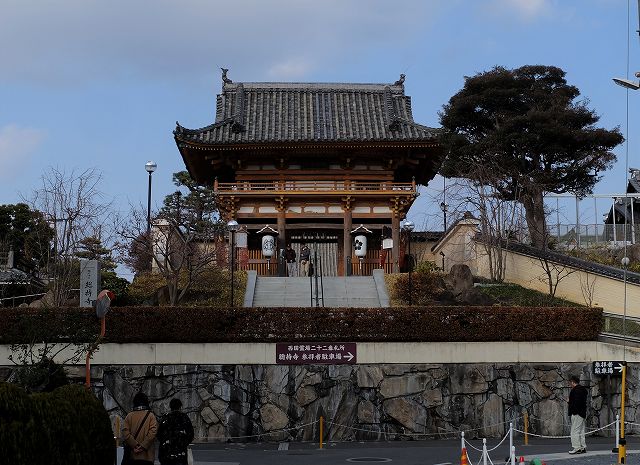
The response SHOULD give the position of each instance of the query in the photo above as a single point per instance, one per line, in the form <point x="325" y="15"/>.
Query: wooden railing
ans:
<point x="288" y="187"/>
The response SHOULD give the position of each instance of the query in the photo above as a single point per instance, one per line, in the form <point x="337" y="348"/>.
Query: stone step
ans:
<point x="353" y="291"/>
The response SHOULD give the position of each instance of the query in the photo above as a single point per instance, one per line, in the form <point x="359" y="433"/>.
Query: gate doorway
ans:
<point x="325" y="245"/>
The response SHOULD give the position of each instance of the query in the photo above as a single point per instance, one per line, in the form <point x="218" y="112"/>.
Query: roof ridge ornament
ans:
<point x="225" y="79"/>
<point x="400" y="82"/>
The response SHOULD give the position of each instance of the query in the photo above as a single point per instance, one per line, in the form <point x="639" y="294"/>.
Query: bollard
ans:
<point x="484" y="451"/>
<point x="615" y="448"/>
<point x="510" y="435"/>
<point x="321" y="430"/>
<point x="513" y="455"/>
<point x="526" y="428"/>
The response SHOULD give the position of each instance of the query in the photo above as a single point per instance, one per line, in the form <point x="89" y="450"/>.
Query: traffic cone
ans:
<point x="521" y="459"/>
<point x="464" y="460"/>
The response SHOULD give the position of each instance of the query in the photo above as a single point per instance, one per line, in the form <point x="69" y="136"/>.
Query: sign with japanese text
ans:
<point x="387" y="243"/>
<point x="330" y="353"/>
<point x="608" y="368"/>
<point x="89" y="282"/>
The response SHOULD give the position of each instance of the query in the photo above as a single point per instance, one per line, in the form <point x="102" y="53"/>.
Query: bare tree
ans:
<point x="588" y="287"/>
<point x="179" y="252"/>
<point x="500" y="221"/>
<point x="74" y="206"/>
<point x="553" y="273"/>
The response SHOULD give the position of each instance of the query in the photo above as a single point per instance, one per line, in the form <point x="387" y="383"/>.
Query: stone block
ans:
<point x="412" y="383"/>
<point x="368" y="413"/>
<point x="273" y="418"/>
<point x="305" y="395"/>
<point x="408" y="413"/>
<point x="368" y="376"/>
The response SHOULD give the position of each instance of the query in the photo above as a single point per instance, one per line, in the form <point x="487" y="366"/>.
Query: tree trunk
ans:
<point x="533" y="202"/>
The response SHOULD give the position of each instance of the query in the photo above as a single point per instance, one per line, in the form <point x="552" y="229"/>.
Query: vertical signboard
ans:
<point x="89" y="282"/>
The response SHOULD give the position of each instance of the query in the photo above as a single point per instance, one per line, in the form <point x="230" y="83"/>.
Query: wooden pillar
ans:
<point x="282" y="232"/>
<point x="395" y="235"/>
<point x="347" y="240"/>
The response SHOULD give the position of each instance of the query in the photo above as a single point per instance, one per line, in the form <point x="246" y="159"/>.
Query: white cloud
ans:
<point x="527" y="10"/>
<point x="67" y="42"/>
<point x="290" y="70"/>
<point x="17" y="145"/>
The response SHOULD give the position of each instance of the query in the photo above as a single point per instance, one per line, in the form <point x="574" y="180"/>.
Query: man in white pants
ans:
<point x="577" y="414"/>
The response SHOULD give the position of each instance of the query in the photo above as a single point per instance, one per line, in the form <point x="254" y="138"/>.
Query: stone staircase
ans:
<point x="352" y="291"/>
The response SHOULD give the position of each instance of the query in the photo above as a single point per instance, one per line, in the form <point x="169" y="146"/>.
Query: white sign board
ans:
<point x="241" y="239"/>
<point x="89" y="282"/>
<point x="387" y="243"/>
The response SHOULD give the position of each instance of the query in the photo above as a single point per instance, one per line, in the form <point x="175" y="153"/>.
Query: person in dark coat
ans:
<point x="175" y="433"/>
<point x="290" y="258"/>
<point x="577" y="414"/>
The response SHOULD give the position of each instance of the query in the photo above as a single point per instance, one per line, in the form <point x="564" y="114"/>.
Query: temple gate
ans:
<point x="313" y="162"/>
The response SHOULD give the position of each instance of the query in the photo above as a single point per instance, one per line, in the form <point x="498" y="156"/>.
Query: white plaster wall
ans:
<point x="367" y="353"/>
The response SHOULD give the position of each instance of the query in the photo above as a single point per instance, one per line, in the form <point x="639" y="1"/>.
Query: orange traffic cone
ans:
<point x="464" y="460"/>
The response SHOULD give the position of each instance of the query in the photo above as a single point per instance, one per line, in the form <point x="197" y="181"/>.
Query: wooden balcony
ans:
<point x="289" y="188"/>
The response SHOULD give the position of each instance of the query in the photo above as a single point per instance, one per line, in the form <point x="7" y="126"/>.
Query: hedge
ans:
<point x="410" y="324"/>
<point x="68" y="426"/>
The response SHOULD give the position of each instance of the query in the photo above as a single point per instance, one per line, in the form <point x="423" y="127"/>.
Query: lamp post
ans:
<point x="232" y="227"/>
<point x="622" y="442"/>
<point x="408" y="227"/>
<point x="150" y="166"/>
<point x="444" y="207"/>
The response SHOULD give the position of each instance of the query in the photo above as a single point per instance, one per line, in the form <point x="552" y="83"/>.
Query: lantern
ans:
<point x="360" y="246"/>
<point x="268" y="245"/>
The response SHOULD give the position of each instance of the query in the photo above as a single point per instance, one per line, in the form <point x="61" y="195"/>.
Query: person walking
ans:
<point x="175" y="433"/>
<point x="305" y="255"/>
<point x="577" y="414"/>
<point x="290" y="258"/>
<point x="139" y="433"/>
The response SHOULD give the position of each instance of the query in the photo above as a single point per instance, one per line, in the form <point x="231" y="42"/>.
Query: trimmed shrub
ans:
<point x="398" y="324"/>
<point x="425" y="287"/>
<point x="68" y="427"/>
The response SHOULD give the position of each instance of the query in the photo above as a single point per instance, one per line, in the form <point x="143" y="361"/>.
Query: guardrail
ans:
<point x="308" y="187"/>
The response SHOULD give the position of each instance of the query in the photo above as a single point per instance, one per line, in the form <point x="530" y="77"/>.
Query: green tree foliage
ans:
<point x="527" y="127"/>
<point x="26" y="232"/>
<point x="68" y="426"/>
<point x="194" y="210"/>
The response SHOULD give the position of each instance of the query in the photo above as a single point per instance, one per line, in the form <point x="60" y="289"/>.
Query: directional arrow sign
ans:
<point x="608" y="368"/>
<point x="307" y="353"/>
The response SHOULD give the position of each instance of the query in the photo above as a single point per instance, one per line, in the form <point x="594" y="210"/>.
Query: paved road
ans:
<point x="440" y="452"/>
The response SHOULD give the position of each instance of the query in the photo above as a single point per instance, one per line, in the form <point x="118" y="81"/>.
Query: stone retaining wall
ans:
<point x="370" y="402"/>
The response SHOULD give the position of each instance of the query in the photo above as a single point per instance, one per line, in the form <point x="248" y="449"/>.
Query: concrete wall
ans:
<point x="607" y="293"/>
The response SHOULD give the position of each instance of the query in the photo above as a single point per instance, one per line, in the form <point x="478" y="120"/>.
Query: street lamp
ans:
<point x="408" y="226"/>
<point x="150" y="166"/>
<point x="444" y="207"/>
<point x="627" y="83"/>
<point x="232" y="227"/>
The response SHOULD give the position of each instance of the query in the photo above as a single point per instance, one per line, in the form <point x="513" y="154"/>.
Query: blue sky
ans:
<point x="96" y="84"/>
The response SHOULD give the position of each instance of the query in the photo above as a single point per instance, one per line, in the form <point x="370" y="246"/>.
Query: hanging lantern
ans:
<point x="360" y="245"/>
<point x="268" y="245"/>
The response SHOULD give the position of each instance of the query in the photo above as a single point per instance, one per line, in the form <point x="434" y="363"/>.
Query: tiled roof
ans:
<point x="249" y="113"/>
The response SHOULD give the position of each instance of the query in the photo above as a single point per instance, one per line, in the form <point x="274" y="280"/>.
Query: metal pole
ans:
<point x="462" y="440"/>
<point x="233" y="245"/>
<point x="513" y="455"/>
<point x="149" y="208"/>
<point x="409" y="264"/>
<point x="613" y="214"/>
<point x="511" y="437"/>
<point x="617" y="433"/>
<point x="577" y="222"/>
<point x="558" y="217"/>
<point x="633" y="223"/>
<point x="595" y="215"/>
